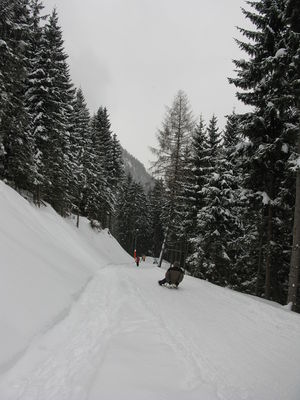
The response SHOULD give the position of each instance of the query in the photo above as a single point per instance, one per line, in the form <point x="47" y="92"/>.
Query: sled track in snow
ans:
<point x="198" y="369"/>
<point x="71" y="352"/>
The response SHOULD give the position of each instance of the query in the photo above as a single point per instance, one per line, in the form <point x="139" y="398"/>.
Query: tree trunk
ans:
<point x="77" y="221"/>
<point x="295" y="257"/>
<point x="38" y="196"/>
<point x="268" y="261"/>
<point x="109" y="221"/>
<point x="162" y="249"/>
<point x="259" y="266"/>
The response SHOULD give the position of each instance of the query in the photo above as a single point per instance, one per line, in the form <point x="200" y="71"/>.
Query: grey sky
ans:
<point x="132" y="56"/>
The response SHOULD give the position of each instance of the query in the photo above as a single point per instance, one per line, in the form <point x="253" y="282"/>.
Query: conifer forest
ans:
<point x="225" y="203"/>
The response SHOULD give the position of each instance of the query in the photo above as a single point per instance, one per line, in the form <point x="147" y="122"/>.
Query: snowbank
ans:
<point x="45" y="262"/>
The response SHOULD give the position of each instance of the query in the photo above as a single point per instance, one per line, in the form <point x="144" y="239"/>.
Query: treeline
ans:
<point x="50" y="146"/>
<point x="229" y="196"/>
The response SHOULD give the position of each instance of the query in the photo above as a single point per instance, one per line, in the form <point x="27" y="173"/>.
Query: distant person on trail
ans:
<point x="137" y="260"/>
<point x="174" y="275"/>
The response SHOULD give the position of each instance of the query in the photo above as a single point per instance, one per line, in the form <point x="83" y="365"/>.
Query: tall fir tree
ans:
<point x="117" y="172"/>
<point x="125" y="224"/>
<point x="101" y="125"/>
<point x="270" y="139"/>
<point x="117" y="176"/>
<point x="196" y="179"/>
<point x="103" y="147"/>
<point x="156" y="199"/>
<point x="292" y="52"/>
<point x="35" y="89"/>
<point x="16" y="144"/>
<point x="80" y="155"/>
<point x="217" y="226"/>
<point x="133" y="225"/>
<point x="211" y="259"/>
<point x="232" y="203"/>
<point x="52" y="131"/>
<point x="173" y="140"/>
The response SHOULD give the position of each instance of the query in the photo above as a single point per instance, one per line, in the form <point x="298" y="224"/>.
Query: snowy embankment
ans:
<point x="124" y="337"/>
<point x="45" y="262"/>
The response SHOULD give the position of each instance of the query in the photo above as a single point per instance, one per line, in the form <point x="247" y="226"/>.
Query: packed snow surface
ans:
<point x="82" y="321"/>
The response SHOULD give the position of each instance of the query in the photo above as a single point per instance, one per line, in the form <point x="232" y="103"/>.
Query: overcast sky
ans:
<point x="133" y="56"/>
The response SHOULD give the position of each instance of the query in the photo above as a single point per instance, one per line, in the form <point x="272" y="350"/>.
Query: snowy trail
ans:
<point x="128" y="338"/>
<point x="109" y="320"/>
<point x="61" y="364"/>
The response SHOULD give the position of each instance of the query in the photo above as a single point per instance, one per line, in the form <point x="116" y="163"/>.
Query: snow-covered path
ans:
<point x="127" y="338"/>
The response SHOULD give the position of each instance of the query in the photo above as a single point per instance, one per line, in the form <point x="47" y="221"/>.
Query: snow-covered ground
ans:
<point x="80" y="321"/>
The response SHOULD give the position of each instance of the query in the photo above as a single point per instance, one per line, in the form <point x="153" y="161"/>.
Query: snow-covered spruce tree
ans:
<point x="118" y="169"/>
<point x="96" y="191"/>
<point x="216" y="239"/>
<point x="133" y="224"/>
<point x="233" y="197"/>
<point x="143" y="220"/>
<point x="213" y="141"/>
<point x="35" y="89"/>
<point x="52" y="131"/>
<point x="80" y="155"/>
<point x="199" y="164"/>
<point x="214" y="219"/>
<point x="117" y="172"/>
<point x="103" y="147"/>
<point x="194" y="177"/>
<point x="173" y="139"/>
<point x="117" y="179"/>
<point x="101" y="124"/>
<point x="16" y="145"/>
<point x="156" y="199"/>
<point x="231" y="135"/>
<point x="125" y="224"/>
<point x="179" y="248"/>
<point x="292" y="51"/>
<point x="269" y="137"/>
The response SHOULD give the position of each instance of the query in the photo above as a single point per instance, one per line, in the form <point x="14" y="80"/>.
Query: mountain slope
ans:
<point x="125" y="337"/>
<point x="138" y="171"/>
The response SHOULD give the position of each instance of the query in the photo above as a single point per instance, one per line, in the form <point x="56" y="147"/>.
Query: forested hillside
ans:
<point x="51" y="148"/>
<point x="231" y="201"/>
<point x="137" y="170"/>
